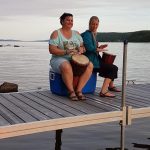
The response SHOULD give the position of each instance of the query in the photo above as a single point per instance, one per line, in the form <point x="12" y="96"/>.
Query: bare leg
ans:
<point x="104" y="89"/>
<point x="67" y="75"/>
<point x="105" y="85"/>
<point x="84" y="77"/>
<point x="111" y="84"/>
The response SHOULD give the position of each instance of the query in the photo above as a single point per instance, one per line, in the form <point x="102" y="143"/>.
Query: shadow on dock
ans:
<point x="143" y="146"/>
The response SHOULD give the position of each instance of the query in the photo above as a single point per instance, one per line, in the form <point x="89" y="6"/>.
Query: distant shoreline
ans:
<point x="136" y="37"/>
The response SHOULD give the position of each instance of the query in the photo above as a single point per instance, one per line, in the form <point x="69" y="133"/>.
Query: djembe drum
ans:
<point x="108" y="58"/>
<point x="79" y="64"/>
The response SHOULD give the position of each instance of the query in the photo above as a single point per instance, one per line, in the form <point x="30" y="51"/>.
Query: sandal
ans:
<point x="72" y="96"/>
<point x="80" y="95"/>
<point x="105" y="94"/>
<point x="114" y="89"/>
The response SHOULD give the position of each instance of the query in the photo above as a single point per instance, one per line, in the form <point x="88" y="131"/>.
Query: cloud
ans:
<point x="37" y="7"/>
<point x="55" y="8"/>
<point x="35" y="18"/>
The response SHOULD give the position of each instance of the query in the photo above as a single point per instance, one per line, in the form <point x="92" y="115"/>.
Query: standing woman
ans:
<point x="63" y="43"/>
<point x="108" y="71"/>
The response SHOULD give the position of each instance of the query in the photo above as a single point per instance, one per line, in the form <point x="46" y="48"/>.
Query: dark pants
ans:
<point x="107" y="71"/>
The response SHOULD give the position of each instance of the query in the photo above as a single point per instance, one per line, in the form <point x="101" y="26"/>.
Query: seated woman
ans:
<point x="108" y="71"/>
<point x="63" y="43"/>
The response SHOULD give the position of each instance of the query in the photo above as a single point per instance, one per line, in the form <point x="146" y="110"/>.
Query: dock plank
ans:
<point x="79" y="105"/>
<point x="8" y="116"/>
<point x="18" y="115"/>
<point x="52" y="105"/>
<point x="143" y="87"/>
<point x="3" y="121"/>
<point x="26" y="107"/>
<point x="134" y="98"/>
<point x="106" y="104"/>
<point x="38" y="111"/>
<point x="41" y="109"/>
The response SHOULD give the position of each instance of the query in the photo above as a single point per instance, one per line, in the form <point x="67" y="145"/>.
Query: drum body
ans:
<point x="79" y="64"/>
<point x="108" y="58"/>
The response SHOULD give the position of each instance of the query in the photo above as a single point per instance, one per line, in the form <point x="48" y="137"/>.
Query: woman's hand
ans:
<point x="81" y="50"/>
<point x="101" y="48"/>
<point x="71" y="51"/>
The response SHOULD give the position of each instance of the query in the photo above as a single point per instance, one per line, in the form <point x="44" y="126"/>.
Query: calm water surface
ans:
<point x="28" y="65"/>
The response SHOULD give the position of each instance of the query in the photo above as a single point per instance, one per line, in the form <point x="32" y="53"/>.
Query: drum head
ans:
<point x="109" y="54"/>
<point x="80" y="59"/>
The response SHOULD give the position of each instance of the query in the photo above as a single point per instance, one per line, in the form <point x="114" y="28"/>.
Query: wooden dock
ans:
<point x="25" y="113"/>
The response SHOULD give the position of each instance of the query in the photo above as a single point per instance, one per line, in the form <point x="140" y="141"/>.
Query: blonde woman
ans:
<point x="108" y="71"/>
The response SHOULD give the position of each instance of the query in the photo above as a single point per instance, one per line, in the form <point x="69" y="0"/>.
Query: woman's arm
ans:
<point x="54" y="49"/>
<point x="88" y="42"/>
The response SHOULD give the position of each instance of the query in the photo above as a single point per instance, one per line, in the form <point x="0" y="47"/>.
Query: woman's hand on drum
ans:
<point x="71" y="52"/>
<point x="81" y="50"/>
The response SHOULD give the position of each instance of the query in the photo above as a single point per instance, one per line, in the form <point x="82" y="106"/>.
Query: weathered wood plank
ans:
<point x="58" y="101"/>
<point x="50" y="104"/>
<point x="134" y="102"/>
<point x="33" y="113"/>
<point x="79" y="105"/>
<point x="138" y="94"/>
<point x="143" y="87"/>
<point x="139" y="89"/>
<point x="105" y="104"/>
<point x="9" y="116"/>
<point x="39" y="108"/>
<point x="3" y="121"/>
<point x="14" y="113"/>
<point x="133" y="98"/>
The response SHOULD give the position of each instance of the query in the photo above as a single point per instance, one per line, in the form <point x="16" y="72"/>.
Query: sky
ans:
<point x="37" y="19"/>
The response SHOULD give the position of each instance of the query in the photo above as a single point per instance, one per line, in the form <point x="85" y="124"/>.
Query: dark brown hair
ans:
<point x="63" y="16"/>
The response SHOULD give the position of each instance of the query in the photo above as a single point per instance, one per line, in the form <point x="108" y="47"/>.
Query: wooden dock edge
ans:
<point x="126" y="116"/>
<point x="140" y="112"/>
<point x="61" y="123"/>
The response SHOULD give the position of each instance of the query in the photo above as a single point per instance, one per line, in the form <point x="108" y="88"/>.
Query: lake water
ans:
<point x="28" y="65"/>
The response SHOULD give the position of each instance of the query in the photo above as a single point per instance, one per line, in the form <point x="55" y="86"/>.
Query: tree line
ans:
<point x="137" y="36"/>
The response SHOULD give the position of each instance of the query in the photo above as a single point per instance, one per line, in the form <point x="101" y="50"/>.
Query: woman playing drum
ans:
<point x="108" y="71"/>
<point x="64" y="43"/>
